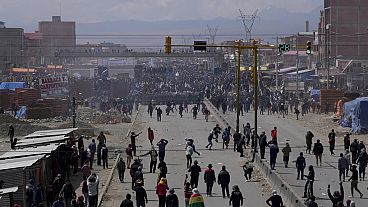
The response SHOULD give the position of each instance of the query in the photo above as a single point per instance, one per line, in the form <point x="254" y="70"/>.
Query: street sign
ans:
<point x="284" y="48"/>
<point x="201" y="45"/>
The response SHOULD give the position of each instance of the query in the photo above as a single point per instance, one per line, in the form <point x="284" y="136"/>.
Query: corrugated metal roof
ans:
<point x="49" y="133"/>
<point x="19" y="162"/>
<point x="300" y="72"/>
<point x="5" y="191"/>
<point x="30" y="151"/>
<point x="41" y="140"/>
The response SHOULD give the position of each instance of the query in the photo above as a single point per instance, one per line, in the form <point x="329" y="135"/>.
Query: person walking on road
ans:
<point x="239" y="147"/>
<point x="236" y="198"/>
<point x="236" y="138"/>
<point x="226" y="137"/>
<point x="337" y="197"/>
<point x="308" y="140"/>
<point x="11" y="135"/>
<point x="161" y="148"/>
<point x="121" y="169"/>
<point x="223" y="180"/>
<point x="274" y="133"/>
<point x="362" y="161"/>
<point x="206" y="113"/>
<point x="342" y="163"/>
<point x="263" y="144"/>
<point x="151" y="135"/>
<point x="187" y="191"/>
<point x="217" y="130"/>
<point x="188" y="154"/>
<point x="332" y="141"/>
<point x="347" y="141"/>
<point x="195" y="112"/>
<point x="153" y="163"/>
<point x="158" y="114"/>
<point x="209" y="139"/>
<point x="172" y="199"/>
<point x="318" y="151"/>
<point x="309" y="184"/>
<point x="209" y="179"/>
<point x="286" y="151"/>
<point x="163" y="169"/>
<point x="133" y="137"/>
<point x="194" y="174"/>
<point x="354" y="181"/>
<point x="348" y="162"/>
<point x="161" y="190"/>
<point x="140" y="194"/>
<point x="354" y="150"/>
<point x="127" y="202"/>
<point x="274" y="150"/>
<point x="196" y="199"/>
<point x="104" y="156"/>
<point x="248" y="169"/>
<point x="247" y="132"/>
<point x="129" y="154"/>
<point x="181" y="109"/>
<point x="300" y="166"/>
<point x="275" y="200"/>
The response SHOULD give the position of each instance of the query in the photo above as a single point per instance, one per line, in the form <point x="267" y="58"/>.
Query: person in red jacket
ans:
<point x="161" y="190"/>
<point x="151" y="135"/>
<point x="274" y="133"/>
<point x="209" y="179"/>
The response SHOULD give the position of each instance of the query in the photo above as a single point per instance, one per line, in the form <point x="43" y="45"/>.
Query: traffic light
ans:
<point x="309" y="47"/>
<point x="168" y="45"/>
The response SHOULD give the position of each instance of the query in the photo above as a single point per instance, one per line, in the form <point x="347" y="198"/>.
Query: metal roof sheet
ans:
<point x="30" y="151"/>
<point x="19" y="162"/>
<point x="41" y="140"/>
<point x="301" y="72"/>
<point x="49" y="133"/>
<point x="5" y="191"/>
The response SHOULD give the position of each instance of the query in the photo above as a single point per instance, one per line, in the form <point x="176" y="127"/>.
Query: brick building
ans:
<point x="343" y="30"/>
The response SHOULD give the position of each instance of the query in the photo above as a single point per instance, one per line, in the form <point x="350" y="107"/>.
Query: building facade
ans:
<point x="343" y="30"/>
<point x="58" y="36"/>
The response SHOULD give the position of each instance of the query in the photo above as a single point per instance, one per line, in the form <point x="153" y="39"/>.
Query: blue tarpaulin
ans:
<point x="355" y="115"/>
<point x="12" y="85"/>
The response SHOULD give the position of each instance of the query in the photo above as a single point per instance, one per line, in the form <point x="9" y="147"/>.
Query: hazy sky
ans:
<point x="23" y="12"/>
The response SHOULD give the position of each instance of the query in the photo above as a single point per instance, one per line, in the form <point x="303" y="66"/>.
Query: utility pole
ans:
<point x="297" y="63"/>
<point x="277" y="65"/>
<point x="255" y="79"/>
<point x="238" y="44"/>
<point x="73" y="111"/>
<point x="327" y="54"/>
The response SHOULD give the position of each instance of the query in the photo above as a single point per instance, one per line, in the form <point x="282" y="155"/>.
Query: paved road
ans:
<point x="292" y="131"/>
<point x="176" y="129"/>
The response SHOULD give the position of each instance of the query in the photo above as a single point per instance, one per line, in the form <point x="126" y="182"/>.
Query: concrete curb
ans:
<point x="290" y="197"/>
<point x="106" y="187"/>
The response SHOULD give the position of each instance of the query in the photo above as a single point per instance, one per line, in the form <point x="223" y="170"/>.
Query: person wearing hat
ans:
<point x="275" y="200"/>
<point x="172" y="199"/>
<point x="354" y="181"/>
<point x="209" y="179"/>
<point x="140" y="194"/>
<point x="362" y="161"/>
<point x="161" y="190"/>
<point x="223" y="179"/>
<point x="262" y="144"/>
<point x="194" y="170"/>
<point x="196" y="199"/>
<point x="236" y="198"/>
